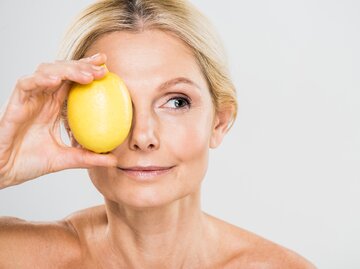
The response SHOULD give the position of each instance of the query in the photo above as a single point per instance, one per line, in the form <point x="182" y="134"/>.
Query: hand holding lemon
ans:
<point x="30" y="138"/>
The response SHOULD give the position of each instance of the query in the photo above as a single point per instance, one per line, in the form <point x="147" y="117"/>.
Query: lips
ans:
<point x="144" y="173"/>
<point x="145" y="168"/>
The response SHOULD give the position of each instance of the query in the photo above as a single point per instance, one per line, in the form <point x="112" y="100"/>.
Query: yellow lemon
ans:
<point x="100" y="113"/>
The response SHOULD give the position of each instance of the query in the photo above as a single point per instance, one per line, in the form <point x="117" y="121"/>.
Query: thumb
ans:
<point x="82" y="158"/>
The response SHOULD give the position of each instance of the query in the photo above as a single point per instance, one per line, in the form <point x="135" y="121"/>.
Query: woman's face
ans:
<point x="165" y="156"/>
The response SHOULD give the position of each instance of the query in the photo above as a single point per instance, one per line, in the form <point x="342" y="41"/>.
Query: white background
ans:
<point x="289" y="170"/>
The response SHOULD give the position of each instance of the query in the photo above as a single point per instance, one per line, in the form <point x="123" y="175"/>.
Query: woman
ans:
<point x="184" y="103"/>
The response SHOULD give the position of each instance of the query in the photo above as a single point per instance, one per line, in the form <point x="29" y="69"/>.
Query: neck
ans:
<point x="150" y="238"/>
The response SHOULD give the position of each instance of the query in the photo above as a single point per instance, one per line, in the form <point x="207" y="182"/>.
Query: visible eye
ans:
<point x="178" y="103"/>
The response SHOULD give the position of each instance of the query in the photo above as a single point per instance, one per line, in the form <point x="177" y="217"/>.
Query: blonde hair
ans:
<point x="176" y="16"/>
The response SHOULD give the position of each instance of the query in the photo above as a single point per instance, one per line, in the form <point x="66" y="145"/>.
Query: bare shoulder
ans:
<point x="86" y="221"/>
<point x="263" y="254"/>
<point x="44" y="244"/>
<point x="90" y="226"/>
<point x="248" y="250"/>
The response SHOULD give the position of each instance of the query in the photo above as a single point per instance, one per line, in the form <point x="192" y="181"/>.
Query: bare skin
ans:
<point x="152" y="216"/>
<point x="80" y="242"/>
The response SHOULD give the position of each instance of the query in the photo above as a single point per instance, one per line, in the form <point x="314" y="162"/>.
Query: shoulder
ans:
<point x="44" y="244"/>
<point x="245" y="249"/>
<point x="263" y="254"/>
<point x="86" y="221"/>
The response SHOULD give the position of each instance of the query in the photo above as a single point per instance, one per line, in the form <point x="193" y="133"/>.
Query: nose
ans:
<point x="143" y="134"/>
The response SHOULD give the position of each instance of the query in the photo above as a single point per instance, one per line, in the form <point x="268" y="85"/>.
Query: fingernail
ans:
<point x="105" y="67"/>
<point x="86" y="73"/>
<point x="97" y="67"/>
<point x="95" y="56"/>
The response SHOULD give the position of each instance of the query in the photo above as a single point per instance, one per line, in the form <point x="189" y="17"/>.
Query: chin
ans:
<point x="145" y="197"/>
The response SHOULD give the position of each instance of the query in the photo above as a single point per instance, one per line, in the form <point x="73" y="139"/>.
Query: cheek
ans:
<point x="187" y="137"/>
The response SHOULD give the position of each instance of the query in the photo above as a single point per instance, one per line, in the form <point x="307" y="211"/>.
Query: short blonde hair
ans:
<point x="176" y="16"/>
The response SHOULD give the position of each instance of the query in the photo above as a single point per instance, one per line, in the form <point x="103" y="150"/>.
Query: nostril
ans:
<point x="148" y="147"/>
<point x="136" y="147"/>
<point x="151" y="146"/>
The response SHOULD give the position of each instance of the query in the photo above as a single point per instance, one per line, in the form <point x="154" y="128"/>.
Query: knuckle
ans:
<point x="19" y="82"/>
<point x="68" y="70"/>
<point x="41" y="67"/>
<point x="77" y="66"/>
<point x="82" y="63"/>
<point x="37" y="80"/>
<point x="38" y="73"/>
<point x="22" y="82"/>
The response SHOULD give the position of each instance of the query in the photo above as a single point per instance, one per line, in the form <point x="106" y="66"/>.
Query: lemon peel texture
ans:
<point x="100" y="113"/>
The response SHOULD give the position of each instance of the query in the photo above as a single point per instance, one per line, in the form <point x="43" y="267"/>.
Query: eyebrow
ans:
<point x="178" y="80"/>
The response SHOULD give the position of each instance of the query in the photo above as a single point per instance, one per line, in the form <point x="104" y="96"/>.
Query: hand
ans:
<point x="30" y="141"/>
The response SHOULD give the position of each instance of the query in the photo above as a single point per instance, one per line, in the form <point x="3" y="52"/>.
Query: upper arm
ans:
<point x="14" y="244"/>
<point x="25" y="243"/>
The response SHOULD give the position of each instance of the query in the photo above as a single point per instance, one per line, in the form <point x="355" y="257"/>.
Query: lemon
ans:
<point x="100" y="113"/>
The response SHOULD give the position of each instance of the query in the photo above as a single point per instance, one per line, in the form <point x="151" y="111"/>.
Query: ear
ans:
<point x="221" y="124"/>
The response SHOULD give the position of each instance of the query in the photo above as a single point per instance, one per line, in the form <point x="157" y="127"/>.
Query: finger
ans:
<point x="75" y="71"/>
<point x="38" y="82"/>
<point x="49" y="76"/>
<point x="96" y="59"/>
<point x="81" y="158"/>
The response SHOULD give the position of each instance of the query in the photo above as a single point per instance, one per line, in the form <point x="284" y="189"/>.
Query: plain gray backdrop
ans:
<point x="289" y="170"/>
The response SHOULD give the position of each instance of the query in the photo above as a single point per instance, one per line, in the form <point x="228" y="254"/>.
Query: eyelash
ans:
<point x="183" y="99"/>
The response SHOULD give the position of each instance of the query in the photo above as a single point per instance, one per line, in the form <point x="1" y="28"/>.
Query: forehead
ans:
<point x="151" y="54"/>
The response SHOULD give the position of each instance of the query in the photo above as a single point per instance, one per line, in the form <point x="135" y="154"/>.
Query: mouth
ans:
<point x="145" y="173"/>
